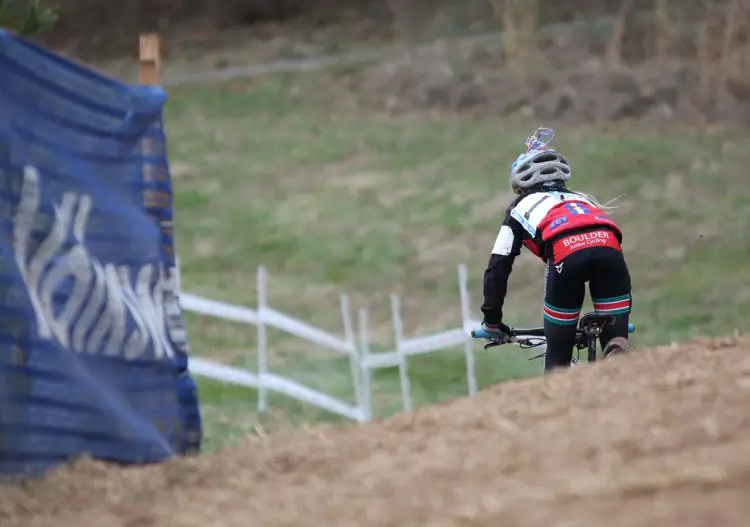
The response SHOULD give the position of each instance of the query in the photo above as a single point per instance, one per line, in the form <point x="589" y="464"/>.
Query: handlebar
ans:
<point x="532" y="332"/>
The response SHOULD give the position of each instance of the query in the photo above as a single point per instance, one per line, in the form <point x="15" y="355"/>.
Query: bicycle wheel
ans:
<point x="617" y="346"/>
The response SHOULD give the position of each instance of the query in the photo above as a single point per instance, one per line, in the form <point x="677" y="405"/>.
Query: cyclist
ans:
<point x="577" y="240"/>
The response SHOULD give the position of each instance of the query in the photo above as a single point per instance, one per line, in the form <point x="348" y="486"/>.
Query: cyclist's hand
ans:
<point x="501" y="330"/>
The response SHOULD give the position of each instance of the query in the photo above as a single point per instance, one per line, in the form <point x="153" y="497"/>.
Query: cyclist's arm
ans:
<point x="507" y="247"/>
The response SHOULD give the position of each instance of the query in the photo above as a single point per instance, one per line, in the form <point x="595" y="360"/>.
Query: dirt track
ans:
<point x="659" y="439"/>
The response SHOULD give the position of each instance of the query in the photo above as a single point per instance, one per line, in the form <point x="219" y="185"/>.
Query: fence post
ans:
<point x="149" y="64"/>
<point x="398" y="329"/>
<point x="463" y="288"/>
<point x="262" y="340"/>
<point x="149" y="72"/>
<point x="354" y="366"/>
<point x="363" y="320"/>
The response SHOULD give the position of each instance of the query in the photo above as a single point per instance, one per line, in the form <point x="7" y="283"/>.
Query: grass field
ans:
<point x="334" y="199"/>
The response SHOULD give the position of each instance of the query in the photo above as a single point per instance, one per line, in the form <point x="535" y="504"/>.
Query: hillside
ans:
<point x="333" y="197"/>
<point x="662" y="438"/>
<point x="381" y="178"/>
<point x="384" y="176"/>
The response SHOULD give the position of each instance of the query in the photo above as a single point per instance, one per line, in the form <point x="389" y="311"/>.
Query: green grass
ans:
<point x="330" y="200"/>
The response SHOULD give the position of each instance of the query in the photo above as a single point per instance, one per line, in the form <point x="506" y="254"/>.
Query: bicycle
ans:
<point x="589" y="328"/>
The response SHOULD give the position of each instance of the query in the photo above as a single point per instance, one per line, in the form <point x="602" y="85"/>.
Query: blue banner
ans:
<point x="93" y="347"/>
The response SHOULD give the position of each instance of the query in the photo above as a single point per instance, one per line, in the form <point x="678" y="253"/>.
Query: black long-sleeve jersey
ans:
<point x="536" y="219"/>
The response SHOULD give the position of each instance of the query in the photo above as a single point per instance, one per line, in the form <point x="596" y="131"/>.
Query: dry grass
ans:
<point x="721" y="41"/>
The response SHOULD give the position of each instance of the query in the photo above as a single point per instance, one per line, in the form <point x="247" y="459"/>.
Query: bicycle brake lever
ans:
<point x="499" y="341"/>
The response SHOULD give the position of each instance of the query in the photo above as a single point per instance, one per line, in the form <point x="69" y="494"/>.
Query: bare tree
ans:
<point x="519" y="19"/>
<point x="614" y="46"/>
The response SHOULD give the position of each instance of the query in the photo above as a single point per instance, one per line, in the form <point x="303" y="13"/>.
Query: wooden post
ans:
<point x="149" y="70"/>
<point x="150" y="60"/>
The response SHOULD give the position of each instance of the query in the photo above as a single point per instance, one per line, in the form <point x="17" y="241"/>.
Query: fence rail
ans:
<point x="263" y="380"/>
<point x="362" y="362"/>
<point x="280" y="384"/>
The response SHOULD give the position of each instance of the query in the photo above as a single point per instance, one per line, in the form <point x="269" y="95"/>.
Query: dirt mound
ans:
<point x="661" y="438"/>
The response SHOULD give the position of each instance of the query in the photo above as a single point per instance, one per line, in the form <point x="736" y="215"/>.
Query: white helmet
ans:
<point x="538" y="166"/>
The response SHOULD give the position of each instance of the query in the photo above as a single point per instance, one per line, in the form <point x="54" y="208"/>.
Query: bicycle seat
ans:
<point x="592" y="322"/>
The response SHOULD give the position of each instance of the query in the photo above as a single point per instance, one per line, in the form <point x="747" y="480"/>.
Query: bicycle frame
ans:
<point x="588" y="332"/>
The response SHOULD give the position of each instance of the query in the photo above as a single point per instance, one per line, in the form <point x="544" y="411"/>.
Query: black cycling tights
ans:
<point x="564" y="288"/>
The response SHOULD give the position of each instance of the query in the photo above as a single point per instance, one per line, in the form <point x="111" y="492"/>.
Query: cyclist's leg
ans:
<point x="564" y="288"/>
<point x="611" y="292"/>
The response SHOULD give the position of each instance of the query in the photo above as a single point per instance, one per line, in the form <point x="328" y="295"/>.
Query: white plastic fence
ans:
<point x="362" y="362"/>
<point x="263" y="317"/>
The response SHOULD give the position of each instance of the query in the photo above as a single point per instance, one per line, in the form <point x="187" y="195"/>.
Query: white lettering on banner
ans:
<point x="113" y="298"/>
<point x="577" y="241"/>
